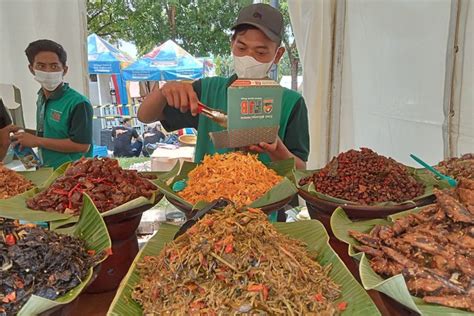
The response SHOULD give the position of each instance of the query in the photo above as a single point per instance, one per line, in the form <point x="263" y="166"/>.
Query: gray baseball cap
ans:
<point x="264" y="17"/>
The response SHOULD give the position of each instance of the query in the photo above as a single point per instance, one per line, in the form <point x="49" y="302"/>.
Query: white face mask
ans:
<point x="49" y="80"/>
<point x="249" y="67"/>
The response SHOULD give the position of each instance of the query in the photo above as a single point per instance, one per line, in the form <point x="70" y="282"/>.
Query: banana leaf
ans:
<point x="311" y="232"/>
<point x="421" y="175"/>
<point x="395" y="286"/>
<point x="16" y="208"/>
<point x="284" y="189"/>
<point x="38" y="177"/>
<point x="91" y="228"/>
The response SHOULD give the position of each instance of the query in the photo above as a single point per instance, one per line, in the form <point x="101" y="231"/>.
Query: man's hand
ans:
<point x="5" y="139"/>
<point x="274" y="150"/>
<point x="181" y="96"/>
<point x="27" y="139"/>
<point x="265" y="148"/>
<point x="277" y="151"/>
<point x="5" y="134"/>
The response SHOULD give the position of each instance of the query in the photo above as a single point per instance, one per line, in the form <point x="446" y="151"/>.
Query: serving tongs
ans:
<point x="450" y="180"/>
<point x="219" y="203"/>
<point x="215" y="115"/>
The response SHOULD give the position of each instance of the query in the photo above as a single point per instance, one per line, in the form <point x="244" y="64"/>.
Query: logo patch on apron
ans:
<point x="56" y="115"/>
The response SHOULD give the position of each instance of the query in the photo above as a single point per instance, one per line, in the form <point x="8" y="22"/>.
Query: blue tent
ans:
<point x="166" y="62"/>
<point x="104" y="58"/>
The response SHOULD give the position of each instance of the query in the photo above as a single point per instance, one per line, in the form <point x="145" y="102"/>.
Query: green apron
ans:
<point x="214" y="95"/>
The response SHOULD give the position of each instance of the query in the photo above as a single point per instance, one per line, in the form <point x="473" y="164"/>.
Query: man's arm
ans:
<point x="80" y="134"/>
<point x="180" y="95"/>
<point x="152" y="108"/>
<point x="65" y="145"/>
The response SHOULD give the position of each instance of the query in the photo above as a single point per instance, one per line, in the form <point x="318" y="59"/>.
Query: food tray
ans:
<point x="311" y="232"/>
<point x="395" y="286"/>
<point x="277" y="197"/>
<point x="321" y="206"/>
<point x="91" y="228"/>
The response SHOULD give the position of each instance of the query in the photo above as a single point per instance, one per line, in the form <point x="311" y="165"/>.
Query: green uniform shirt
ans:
<point x="213" y="92"/>
<point x="65" y="114"/>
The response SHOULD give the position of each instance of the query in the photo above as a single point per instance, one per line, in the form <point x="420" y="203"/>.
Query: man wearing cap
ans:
<point x="255" y="46"/>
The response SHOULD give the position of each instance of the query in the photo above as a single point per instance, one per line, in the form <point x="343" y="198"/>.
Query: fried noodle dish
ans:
<point x="432" y="249"/>
<point x="234" y="261"/>
<point x="12" y="183"/>
<point x="239" y="177"/>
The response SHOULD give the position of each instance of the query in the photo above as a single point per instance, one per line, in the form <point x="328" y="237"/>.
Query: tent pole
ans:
<point x="334" y="124"/>
<point x="456" y="88"/>
<point x="273" y="74"/>
<point x="99" y="89"/>
<point x="448" y="106"/>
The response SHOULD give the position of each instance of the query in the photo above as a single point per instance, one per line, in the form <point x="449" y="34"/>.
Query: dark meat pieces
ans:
<point x="369" y="250"/>
<point x="456" y="301"/>
<point x="103" y="180"/>
<point x="385" y="267"/>
<point x="433" y="249"/>
<point x="420" y="286"/>
<point x="458" y="168"/>
<point x="366" y="178"/>
<point x="453" y="208"/>
<point x="39" y="262"/>
<point x="365" y="239"/>
<point x="466" y="196"/>
<point x="465" y="183"/>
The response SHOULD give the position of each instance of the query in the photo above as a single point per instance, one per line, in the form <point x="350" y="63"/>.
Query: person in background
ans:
<point x="6" y="128"/>
<point x="122" y="136"/>
<point x="63" y="115"/>
<point x="152" y="136"/>
<point x="255" y="46"/>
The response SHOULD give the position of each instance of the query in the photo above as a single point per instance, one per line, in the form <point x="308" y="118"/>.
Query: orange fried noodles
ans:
<point x="239" y="177"/>
<point x="12" y="183"/>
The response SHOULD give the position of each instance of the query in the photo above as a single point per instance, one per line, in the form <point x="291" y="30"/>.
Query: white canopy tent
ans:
<point x="393" y="75"/>
<point x="387" y="76"/>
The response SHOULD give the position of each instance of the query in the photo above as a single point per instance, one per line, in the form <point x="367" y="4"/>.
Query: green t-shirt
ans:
<point x="213" y="92"/>
<point x="65" y="114"/>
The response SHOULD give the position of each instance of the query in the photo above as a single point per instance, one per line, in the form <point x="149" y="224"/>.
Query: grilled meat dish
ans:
<point x="433" y="249"/>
